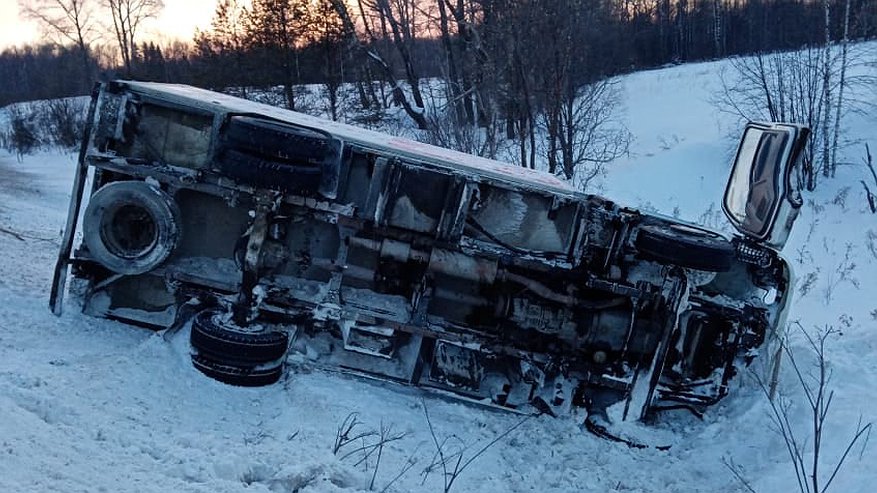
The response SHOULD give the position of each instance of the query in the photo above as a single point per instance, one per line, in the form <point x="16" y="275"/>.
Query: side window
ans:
<point x="763" y="179"/>
<point x="795" y="179"/>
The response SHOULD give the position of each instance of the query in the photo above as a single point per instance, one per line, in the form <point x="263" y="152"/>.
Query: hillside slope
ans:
<point x="93" y="405"/>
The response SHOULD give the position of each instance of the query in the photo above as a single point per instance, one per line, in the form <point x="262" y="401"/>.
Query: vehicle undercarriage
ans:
<point x="285" y="238"/>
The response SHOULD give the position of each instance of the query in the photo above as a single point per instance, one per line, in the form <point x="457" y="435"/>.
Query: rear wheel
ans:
<point x="240" y="376"/>
<point x="225" y="341"/>
<point x="244" y="356"/>
<point x="131" y="227"/>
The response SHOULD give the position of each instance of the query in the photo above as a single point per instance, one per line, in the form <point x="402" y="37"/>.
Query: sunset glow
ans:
<point x="13" y="30"/>
<point x="179" y="20"/>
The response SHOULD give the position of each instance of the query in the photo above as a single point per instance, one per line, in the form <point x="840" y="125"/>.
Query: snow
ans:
<point x="94" y="405"/>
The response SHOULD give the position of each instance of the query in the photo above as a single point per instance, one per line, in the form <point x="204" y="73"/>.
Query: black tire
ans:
<point x="131" y="227"/>
<point x="685" y="246"/>
<point x="211" y="338"/>
<point x="270" y="173"/>
<point x="277" y="140"/>
<point x="240" y="376"/>
<point x="267" y="153"/>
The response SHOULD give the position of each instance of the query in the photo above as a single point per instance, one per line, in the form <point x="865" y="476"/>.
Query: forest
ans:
<point x="535" y="76"/>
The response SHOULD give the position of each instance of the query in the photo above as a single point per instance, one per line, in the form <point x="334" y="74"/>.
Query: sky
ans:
<point x="178" y="20"/>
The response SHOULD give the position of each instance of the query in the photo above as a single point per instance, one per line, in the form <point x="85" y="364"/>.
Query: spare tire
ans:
<point x="270" y="173"/>
<point x="131" y="227"/>
<point x="225" y="342"/>
<point x="685" y="246"/>
<point x="280" y="155"/>
<point x="278" y="140"/>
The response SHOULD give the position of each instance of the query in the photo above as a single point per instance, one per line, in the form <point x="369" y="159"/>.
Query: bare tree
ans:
<point x="414" y="111"/>
<point x="127" y="18"/>
<point x="782" y="86"/>
<point x="71" y="21"/>
<point x="870" y="196"/>
<point x="559" y="105"/>
<point x="450" y="452"/>
<point x="588" y="133"/>
<point x="397" y="21"/>
<point x="470" y="75"/>
<point x="465" y="115"/>
<point x="827" y="164"/>
<point x="450" y="128"/>
<point x="511" y="65"/>
<point x="804" y="86"/>
<point x="362" y="445"/>
<point x="845" y="46"/>
<point x="718" y="32"/>
<point x="578" y="104"/>
<point x="806" y="447"/>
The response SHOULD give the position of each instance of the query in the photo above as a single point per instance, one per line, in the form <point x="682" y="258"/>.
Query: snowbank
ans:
<point x="93" y="405"/>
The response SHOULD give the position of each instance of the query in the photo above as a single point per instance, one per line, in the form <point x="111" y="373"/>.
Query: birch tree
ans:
<point x="845" y="43"/>
<point x="127" y="17"/>
<point x="827" y="165"/>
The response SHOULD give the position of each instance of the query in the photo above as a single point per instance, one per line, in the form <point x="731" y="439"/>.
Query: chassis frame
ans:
<point x="393" y="259"/>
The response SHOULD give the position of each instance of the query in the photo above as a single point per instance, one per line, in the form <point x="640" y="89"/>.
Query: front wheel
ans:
<point x="238" y="375"/>
<point x="685" y="246"/>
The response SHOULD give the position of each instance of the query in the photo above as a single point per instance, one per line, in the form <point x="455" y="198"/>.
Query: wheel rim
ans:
<point x="129" y="231"/>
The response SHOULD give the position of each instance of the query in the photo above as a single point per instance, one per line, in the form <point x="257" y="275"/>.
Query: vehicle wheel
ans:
<point x="270" y="173"/>
<point x="277" y="140"/>
<point x="131" y="227"/>
<point x="278" y="155"/>
<point x="241" y="376"/>
<point x="686" y="247"/>
<point x="221" y="341"/>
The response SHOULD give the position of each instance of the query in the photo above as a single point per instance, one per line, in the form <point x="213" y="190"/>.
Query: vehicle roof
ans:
<point x="404" y="148"/>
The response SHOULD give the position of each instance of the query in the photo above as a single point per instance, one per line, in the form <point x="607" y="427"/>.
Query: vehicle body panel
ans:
<point x="394" y="259"/>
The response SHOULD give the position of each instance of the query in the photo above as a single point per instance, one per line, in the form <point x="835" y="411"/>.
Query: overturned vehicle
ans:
<point x="284" y="237"/>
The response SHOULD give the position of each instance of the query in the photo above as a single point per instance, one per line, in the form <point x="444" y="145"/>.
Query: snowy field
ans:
<point x="92" y="405"/>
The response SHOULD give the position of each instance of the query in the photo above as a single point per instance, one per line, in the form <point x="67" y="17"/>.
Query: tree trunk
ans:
<point x="717" y="29"/>
<point x="453" y="80"/>
<point x="840" y="93"/>
<point x="827" y="165"/>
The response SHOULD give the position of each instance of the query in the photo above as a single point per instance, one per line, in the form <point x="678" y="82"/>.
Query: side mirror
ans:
<point x="764" y="194"/>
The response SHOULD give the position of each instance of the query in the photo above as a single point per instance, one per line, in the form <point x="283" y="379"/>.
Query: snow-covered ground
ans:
<point x="93" y="405"/>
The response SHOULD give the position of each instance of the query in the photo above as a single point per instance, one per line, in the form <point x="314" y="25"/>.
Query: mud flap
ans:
<point x="606" y="431"/>
<point x="185" y="313"/>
